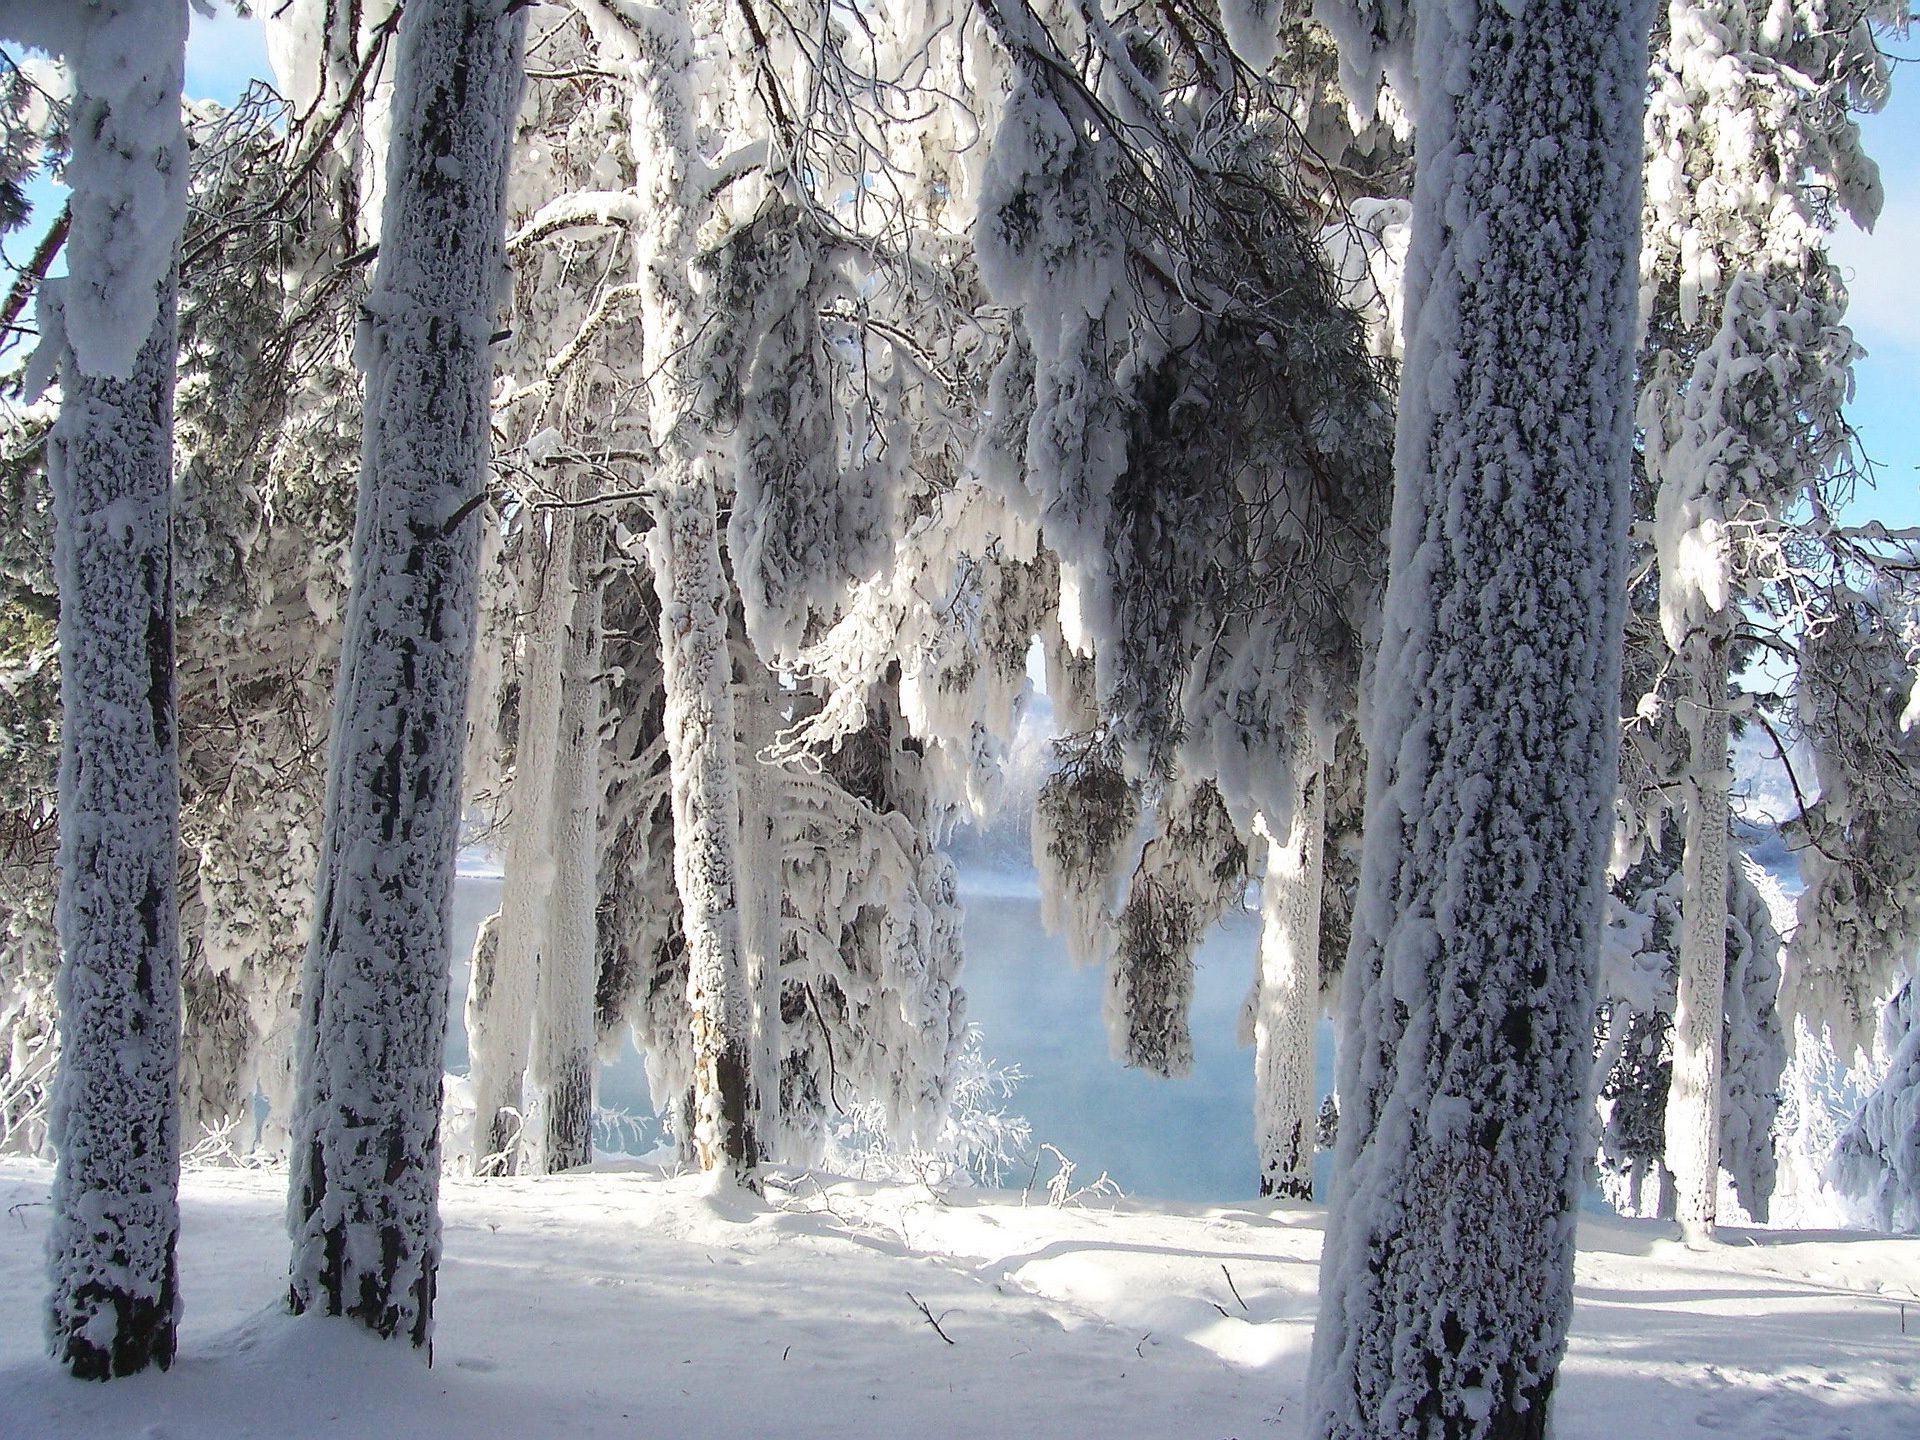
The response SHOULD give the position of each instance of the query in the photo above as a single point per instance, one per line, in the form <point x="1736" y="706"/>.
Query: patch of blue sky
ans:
<point x="1884" y="310"/>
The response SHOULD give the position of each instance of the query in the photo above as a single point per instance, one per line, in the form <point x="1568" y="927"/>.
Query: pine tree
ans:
<point x="1446" y="1282"/>
<point x="1750" y="143"/>
<point x="366" y="1150"/>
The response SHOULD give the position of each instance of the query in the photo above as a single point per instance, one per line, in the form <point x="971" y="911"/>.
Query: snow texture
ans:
<point x="363" y="1209"/>
<point x="684" y="550"/>
<point x="1286" y="1000"/>
<point x="127" y="168"/>
<point x="1084" y="820"/>
<point x="1447" y="1278"/>
<point x="560" y="1078"/>
<point x="631" y="1301"/>
<point x="1378" y="73"/>
<point x="1749" y="141"/>
<point x="1633" y="1066"/>
<point x="1878" y="1157"/>
<point x="500" y="1013"/>
<point x="115" y="1119"/>
<point x="1859" y="916"/>
<point x="1191" y="872"/>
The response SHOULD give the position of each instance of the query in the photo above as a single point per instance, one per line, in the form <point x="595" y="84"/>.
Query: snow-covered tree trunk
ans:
<point x="364" y="1202"/>
<point x="762" y="926"/>
<point x="684" y="549"/>
<point x="500" y="1011"/>
<point x="111" y="328"/>
<point x="116" y="1120"/>
<point x="1447" y="1276"/>
<point x="1286" y="1099"/>
<point x="559" y="1133"/>
<point x="1693" y="1097"/>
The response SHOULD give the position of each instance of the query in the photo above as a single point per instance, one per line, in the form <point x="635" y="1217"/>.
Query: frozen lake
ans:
<point x="1189" y="1139"/>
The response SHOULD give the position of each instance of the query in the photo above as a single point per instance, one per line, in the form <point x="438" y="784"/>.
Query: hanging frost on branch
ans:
<point x="1859" y="843"/>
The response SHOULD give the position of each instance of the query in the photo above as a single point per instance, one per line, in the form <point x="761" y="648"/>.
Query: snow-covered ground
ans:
<point x="632" y="1303"/>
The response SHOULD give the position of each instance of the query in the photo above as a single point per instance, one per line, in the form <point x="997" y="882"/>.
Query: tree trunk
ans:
<point x="762" y="930"/>
<point x="116" y="1117"/>
<point x="1447" y="1277"/>
<point x="1693" y="1099"/>
<point x="500" y="1014"/>
<point x="112" y="324"/>
<point x="559" y="1132"/>
<point x="364" y="1207"/>
<point x="1287" y="1015"/>
<point x="684" y="548"/>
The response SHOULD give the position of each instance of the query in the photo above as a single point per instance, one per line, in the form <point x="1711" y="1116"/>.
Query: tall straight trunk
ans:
<point x="116" y="1116"/>
<point x="111" y="323"/>
<point x="1287" y="1013"/>
<point x="684" y="549"/>
<point x="500" y="1005"/>
<point x="762" y="931"/>
<point x="1447" y="1275"/>
<point x="1693" y="1099"/>
<point x="364" y="1205"/>
<point x="559" y="1134"/>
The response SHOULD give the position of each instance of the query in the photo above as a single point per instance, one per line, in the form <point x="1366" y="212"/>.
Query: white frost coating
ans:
<point x="1446" y="1282"/>
<point x="1693" y="1102"/>
<point x="1375" y="40"/>
<point x="1286" y="1013"/>
<point x="500" y="1003"/>
<point x="1369" y="256"/>
<point x="1637" y="1001"/>
<point x="115" y="1117"/>
<point x="871" y="974"/>
<point x="1190" y="873"/>
<point x="813" y="507"/>
<point x="364" y="1203"/>
<point x="1253" y="29"/>
<point x="1859" y="916"/>
<point x="1084" y="820"/>
<point x="110" y="324"/>
<point x="762" y="891"/>
<point x="656" y="48"/>
<point x="1047" y="241"/>
<point x="127" y="167"/>
<point x="322" y="53"/>
<point x="1877" y="1160"/>
<point x="559" y="1134"/>
<point x="1747" y="137"/>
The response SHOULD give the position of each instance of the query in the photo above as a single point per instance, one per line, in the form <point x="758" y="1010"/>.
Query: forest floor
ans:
<point x="633" y="1303"/>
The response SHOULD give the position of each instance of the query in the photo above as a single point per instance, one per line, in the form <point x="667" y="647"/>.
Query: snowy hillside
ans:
<point x="634" y="1304"/>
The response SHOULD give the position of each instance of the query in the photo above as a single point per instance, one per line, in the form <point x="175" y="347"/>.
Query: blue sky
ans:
<point x="1883" y="271"/>
<point x="1883" y="268"/>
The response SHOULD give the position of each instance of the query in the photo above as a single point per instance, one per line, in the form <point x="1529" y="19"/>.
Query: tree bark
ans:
<point x="684" y="548"/>
<point x="364" y="1205"/>
<point x="116" y="1109"/>
<point x="1287" y="1013"/>
<point x="1447" y="1277"/>
<point x="500" y="1014"/>
<point x="560" y="1114"/>
<point x="1693" y="1098"/>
